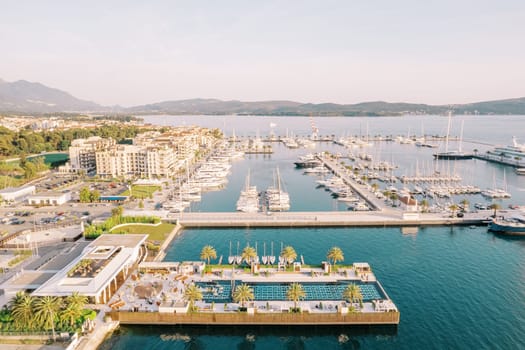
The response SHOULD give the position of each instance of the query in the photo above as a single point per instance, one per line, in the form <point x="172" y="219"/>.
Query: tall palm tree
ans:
<point x="465" y="203"/>
<point x="70" y="314"/>
<point x="22" y="310"/>
<point x="289" y="254"/>
<point x="46" y="311"/>
<point x="495" y="207"/>
<point x="243" y="293"/>
<point x="208" y="253"/>
<point x="453" y="208"/>
<point x="353" y="294"/>
<point x="424" y="205"/>
<point x="192" y="293"/>
<point x="295" y="293"/>
<point x="76" y="299"/>
<point x="248" y="254"/>
<point x="74" y="304"/>
<point x="335" y="254"/>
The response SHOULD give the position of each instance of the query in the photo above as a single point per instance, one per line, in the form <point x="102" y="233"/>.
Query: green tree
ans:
<point x="22" y="311"/>
<point x="94" y="196"/>
<point x="192" y="293"/>
<point x="117" y="211"/>
<point x="243" y="293"/>
<point x="335" y="254"/>
<point x="208" y="253"/>
<point x="30" y="170"/>
<point x="289" y="254"/>
<point x="295" y="293"/>
<point x="453" y="208"/>
<point x="85" y="195"/>
<point x="353" y="294"/>
<point x="248" y="254"/>
<point x="77" y="300"/>
<point x="465" y="203"/>
<point x="424" y="205"/>
<point x="495" y="207"/>
<point x="46" y="311"/>
<point x="141" y="204"/>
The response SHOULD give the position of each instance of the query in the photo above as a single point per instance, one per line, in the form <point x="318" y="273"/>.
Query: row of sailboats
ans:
<point x="265" y="259"/>
<point x="275" y="198"/>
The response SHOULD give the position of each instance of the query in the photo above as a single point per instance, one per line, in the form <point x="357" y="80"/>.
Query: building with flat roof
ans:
<point x="16" y="194"/>
<point x="100" y="270"/>
<point x="82" y="152"/>
<point x="49" y="198"/>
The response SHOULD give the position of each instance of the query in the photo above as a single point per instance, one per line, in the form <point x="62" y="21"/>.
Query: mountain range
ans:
<point x="27" y="97"/>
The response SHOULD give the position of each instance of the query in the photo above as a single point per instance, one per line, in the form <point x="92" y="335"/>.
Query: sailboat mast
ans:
<point x="448" y="131"/>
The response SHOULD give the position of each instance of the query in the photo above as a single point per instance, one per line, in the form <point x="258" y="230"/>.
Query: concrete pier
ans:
<point x="325" y="219"/>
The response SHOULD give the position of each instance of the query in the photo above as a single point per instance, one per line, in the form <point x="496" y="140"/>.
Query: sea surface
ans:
<point x="456" y="287"/>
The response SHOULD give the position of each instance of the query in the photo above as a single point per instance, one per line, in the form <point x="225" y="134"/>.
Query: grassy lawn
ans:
<point x="156" y="233"/>
<point x="141" y="192"/>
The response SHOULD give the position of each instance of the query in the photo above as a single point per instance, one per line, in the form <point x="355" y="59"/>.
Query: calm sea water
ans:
<point x="456" y="288"/>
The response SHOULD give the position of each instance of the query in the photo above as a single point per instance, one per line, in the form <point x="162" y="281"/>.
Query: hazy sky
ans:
<point x="136" y="52"/>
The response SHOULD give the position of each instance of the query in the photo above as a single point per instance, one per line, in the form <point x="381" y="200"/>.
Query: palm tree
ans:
<point x="424" y="205"/>
<point x="192" y="293"/>
<point x="208" y="253"/>
<point x="46" y="310"/>
<point x="76" y="299"/>
<point x="70" y="314"/>
<point x="496" y="207"/>
<point x="353" y="294"/>
<point x="375" y="187"/>
<point x="464" y="203"/>
<point x="453" y="208"/>
<point x="74" y="304"/>
<point x="22" y="310"/>
<point x="295" y="293"/>
<point x="289" y="254"/>
<point x="243" y="293"/>
<point x="248" y="254"/>
<point x="335" y="254"/>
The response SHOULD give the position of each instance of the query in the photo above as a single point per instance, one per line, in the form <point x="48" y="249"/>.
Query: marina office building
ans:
<point x="97" y="272"/>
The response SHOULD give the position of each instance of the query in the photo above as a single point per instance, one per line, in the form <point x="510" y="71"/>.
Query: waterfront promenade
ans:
<point x="332" y="218"/>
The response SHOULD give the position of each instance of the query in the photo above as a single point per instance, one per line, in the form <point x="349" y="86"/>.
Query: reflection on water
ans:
<point x="247" y="337"/>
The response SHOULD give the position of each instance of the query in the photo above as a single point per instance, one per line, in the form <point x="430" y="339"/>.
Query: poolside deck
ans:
<point x="164" y="302"/>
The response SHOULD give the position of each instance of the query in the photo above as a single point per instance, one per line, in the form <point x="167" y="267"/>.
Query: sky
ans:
<point x="138" y="52"/>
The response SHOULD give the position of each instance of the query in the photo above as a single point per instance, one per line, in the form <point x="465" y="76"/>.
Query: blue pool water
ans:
<point x="220" y="292"/>
<point x="113" y="198"/>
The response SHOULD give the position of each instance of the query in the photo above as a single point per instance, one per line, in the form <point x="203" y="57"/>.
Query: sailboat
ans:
<point x="453" y="155"/>
<point x="264" y="257"/>
<point x="238" y="258"/>
<point x="231" y="258"/>
<point x="249" y="199"/>
<point x="271" y="258"/>
<point x="277" y="199"/>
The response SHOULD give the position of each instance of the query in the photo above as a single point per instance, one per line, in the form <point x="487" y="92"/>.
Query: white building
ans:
<point x="49" y="198"/>
<point x="135" y="160"/>
<point x="16" y="194"/>
<point x="99" y="271"/>
<point x="82" y="152"/>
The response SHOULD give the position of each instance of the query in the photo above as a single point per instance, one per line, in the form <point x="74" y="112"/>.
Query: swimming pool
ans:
<point x="220" y="291"/>
<point x="113" y="198"/>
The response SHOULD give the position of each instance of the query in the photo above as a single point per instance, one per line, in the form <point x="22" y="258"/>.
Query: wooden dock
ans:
<point x="245" y="319"/>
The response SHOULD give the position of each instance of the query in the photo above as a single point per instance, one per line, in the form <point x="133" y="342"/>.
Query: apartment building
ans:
<point x="136" y="161"/>
<point x="82" y="152"/>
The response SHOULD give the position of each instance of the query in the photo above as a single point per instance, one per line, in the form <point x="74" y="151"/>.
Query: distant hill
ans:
<point x="25" y="96"/>
<point x="376" y="108"/>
